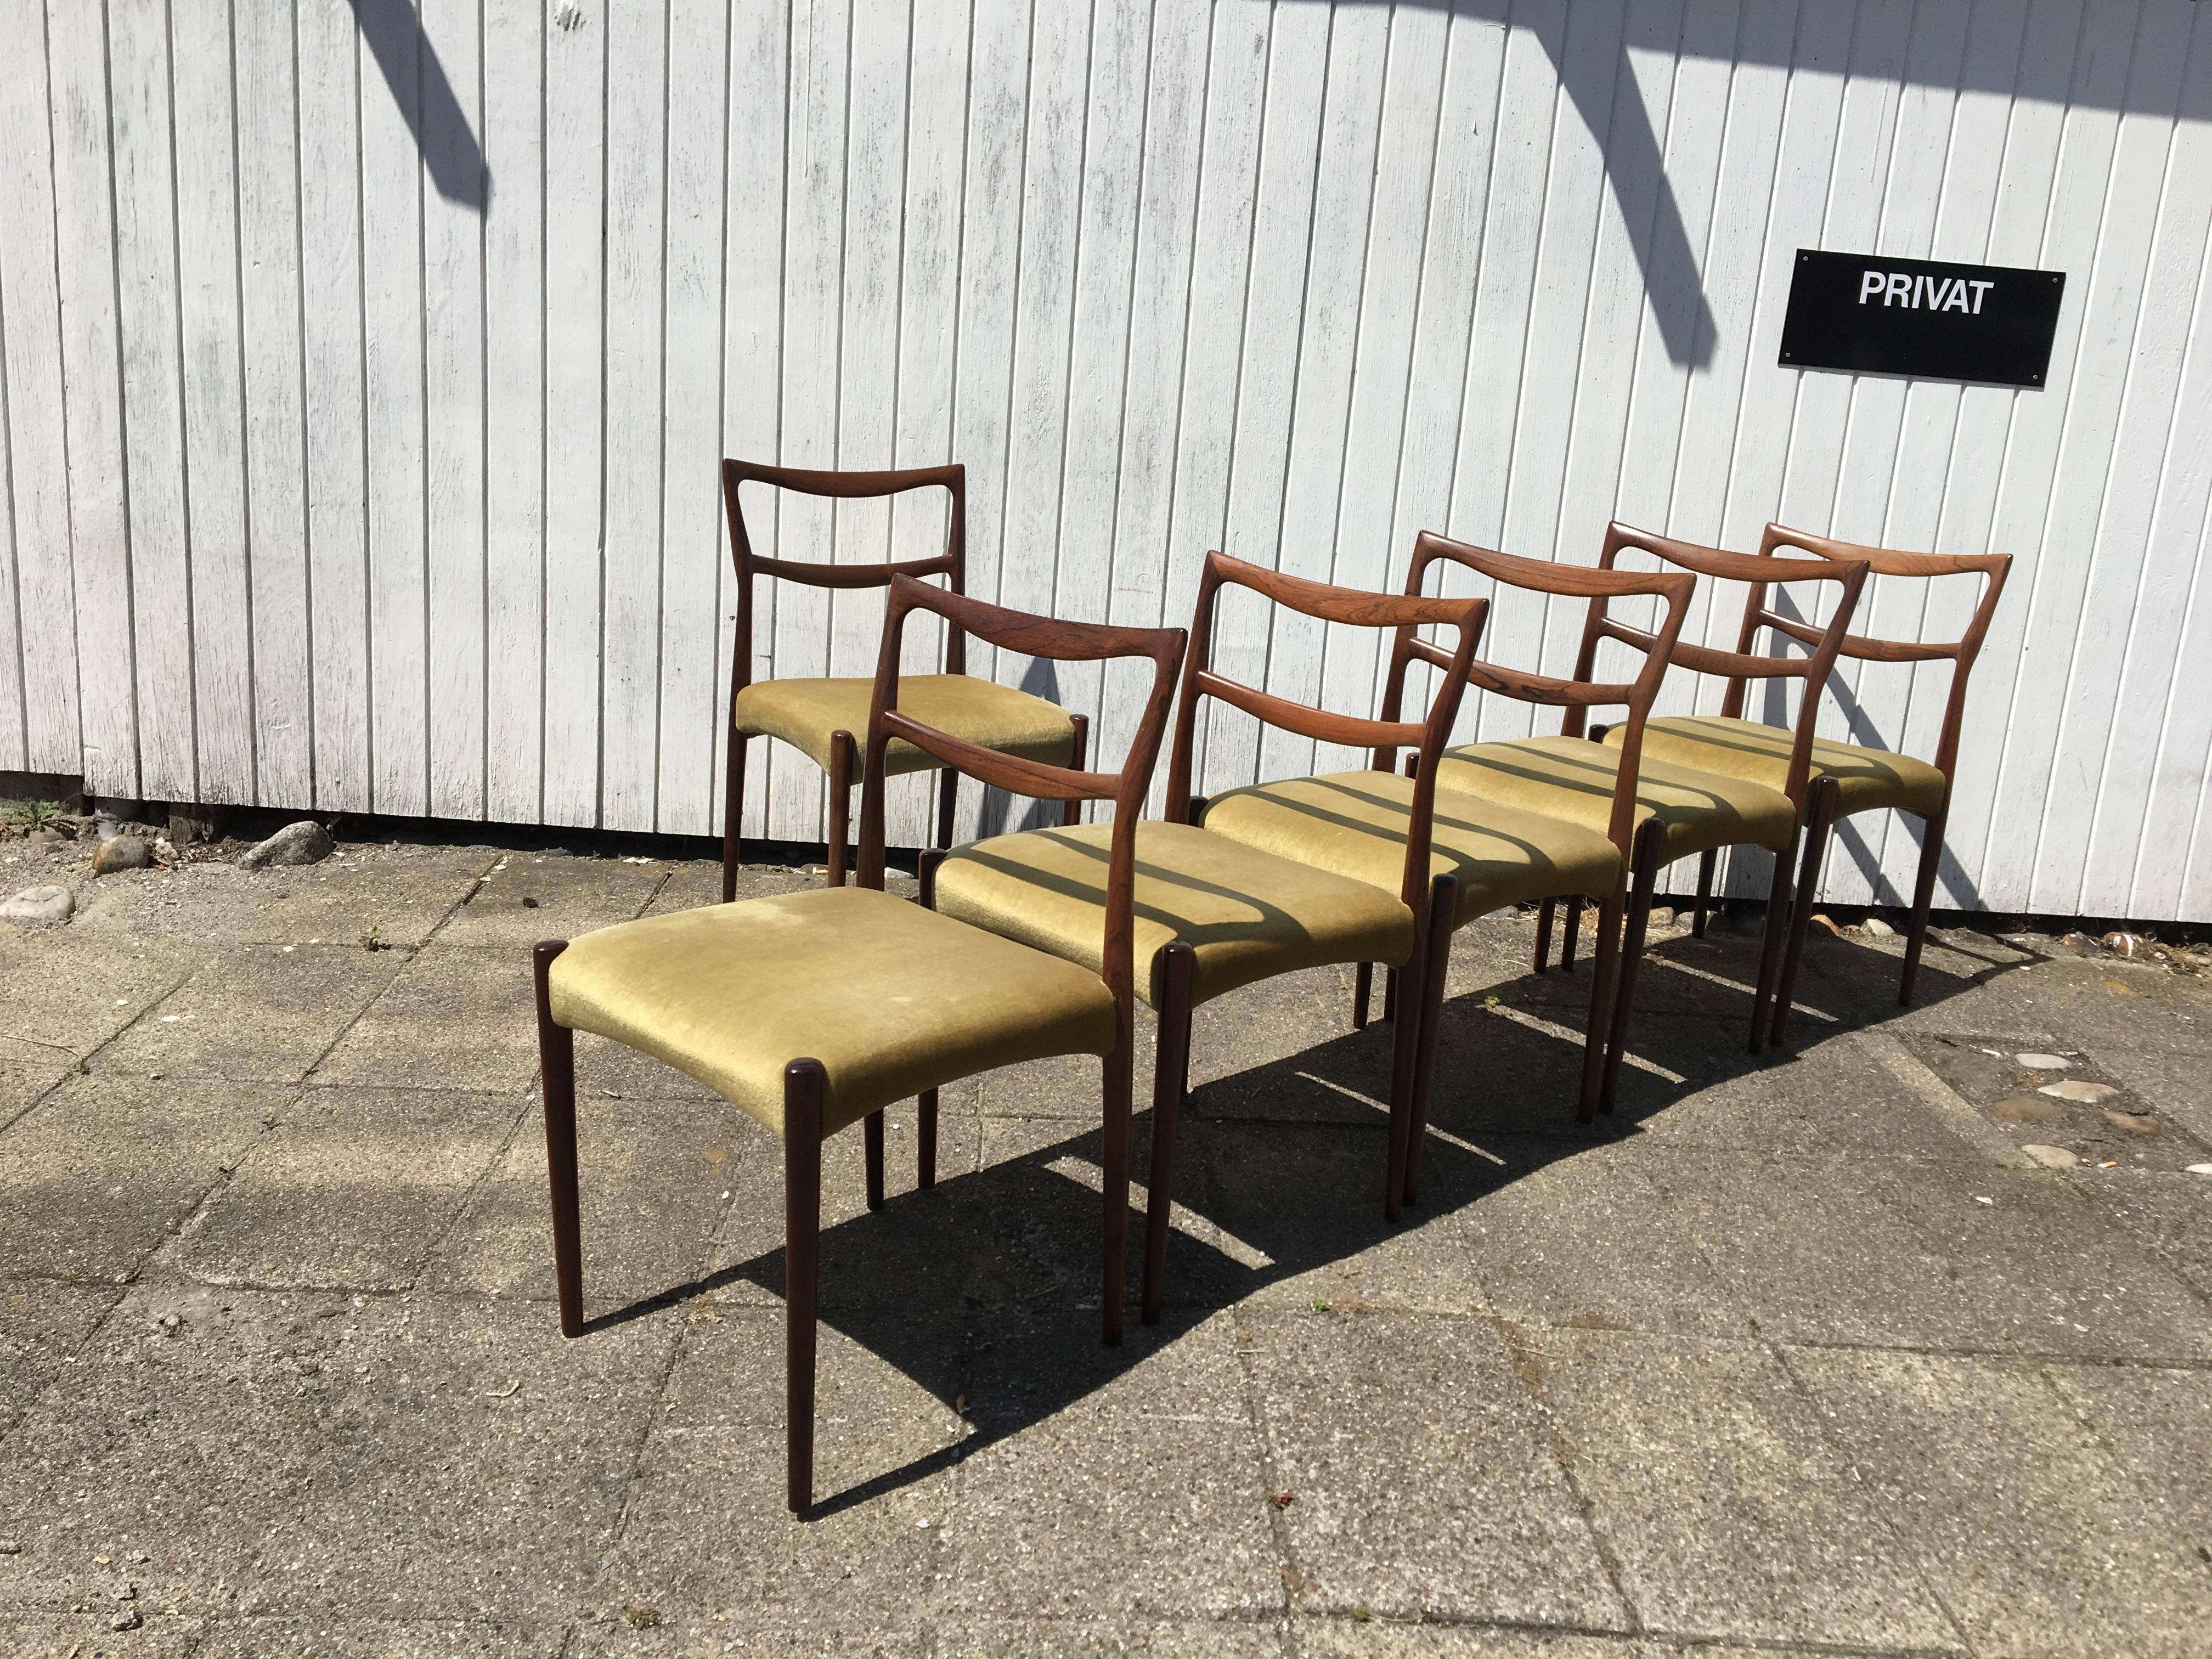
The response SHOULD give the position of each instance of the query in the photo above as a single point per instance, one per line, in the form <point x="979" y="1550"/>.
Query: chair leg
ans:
<point x="871" y="1139"/>
<point x="1405" y="1066"/>
<point x="557" y="1054"/>
<point x="1436" y="965"/>
<point x="1170" y="1083"/>
<point x="925" y="1141"/>
<point x="1114" y="1155"/>
<point x="1363" y="988"/>
<point x="804" y="1083"/>
<point x="840" y="805"/>
<point x="1544" y="935"/>
<point x="1706" y="861"/>
<point x="1390" y="976"/>
<point x="1769" y="944"/>
<point x="1573" y="934"/>
<point x="948" y="798"/>
<point x="1924" y="896"/>
<point x="1597" y="1035"/>
<point x="733" y="812"/>
<point x="1649" y="847"/>
<point x="1071" y="813"/>
<point x="1801" y="905"/>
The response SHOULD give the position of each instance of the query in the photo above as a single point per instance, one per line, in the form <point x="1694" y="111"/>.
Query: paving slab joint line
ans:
<point x="1960" y="1118"/>
<point x="1286" y="1567"/>
<point x="81" y="1064"/>
<point x="492" y="862"/>
<point x="1529" y="1372"/>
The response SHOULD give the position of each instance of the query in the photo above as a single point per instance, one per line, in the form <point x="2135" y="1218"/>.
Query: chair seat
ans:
<point x="803" y="713"/>
<point x="1868" y="780"/>
<point x="1573" y="779"/>
<point x="891" y="999"/>
<point x="1246" y="914"/>
<point x="1353" y="823"/>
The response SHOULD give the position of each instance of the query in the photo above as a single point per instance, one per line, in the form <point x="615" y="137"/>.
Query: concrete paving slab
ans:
<point x="450" y="1019"/>
<point x="257" y="1013"/>
<point x="1110" y="1639"/>
<point x="2169" y="1214"/>
<point x="527" y="896"/>
<point x="1344" y="1638"/>
<point x="352" y="1186"/>
<point x="607" y="1070"/>
<point x="69" y="992"/>
<point x="21" y="1083"/>
<point x="2023" y="1522"/>
<point x="91" y="1635"/>
<point x="96" y="1177"/>
<point x="1422" y="1479"/>
<point x="1728" y="1513"/>
<point x="402" y="891"/>
<point x="2176" y="1084"/>
<point x="379" y="1638"/>
<point x="43" y="1323"/>
<point x="677" y="1634"/>
<point x="2156" y="1424"/>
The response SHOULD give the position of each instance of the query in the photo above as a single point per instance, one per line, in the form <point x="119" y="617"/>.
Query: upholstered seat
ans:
<point x="1867" y="780"/>
<point x="1573" y="779"/>
<point x="802" y="713"/>
<point x="891" y="999"/>
<point x="1246" y="914"/>
<point x="1353" y="823"/>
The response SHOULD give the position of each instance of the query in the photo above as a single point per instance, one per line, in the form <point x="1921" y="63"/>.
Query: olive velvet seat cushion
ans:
<point x="1867" y="780"/>
<point x="803" y="713"/>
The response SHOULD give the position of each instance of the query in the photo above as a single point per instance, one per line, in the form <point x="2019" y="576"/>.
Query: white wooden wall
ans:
<point x="366" y="366"/>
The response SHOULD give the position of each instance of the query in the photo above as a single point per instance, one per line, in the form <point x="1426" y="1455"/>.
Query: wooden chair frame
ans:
<point x="1433" y="902"/>
<point x="1575" y="698"/>
<point x="805" y="1080"/>
<point x="844" y="746"/>
<point x="1993" y="568"/>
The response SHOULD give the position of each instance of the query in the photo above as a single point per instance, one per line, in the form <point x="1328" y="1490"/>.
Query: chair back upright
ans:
<point x="1575" y="696"/>
<point x="1358" y="608"/>
<point x="1738" y="667"/>
<point x="1028" y="635"/>
<point x="1994" y="568"/>
<point x="951" y="563"/>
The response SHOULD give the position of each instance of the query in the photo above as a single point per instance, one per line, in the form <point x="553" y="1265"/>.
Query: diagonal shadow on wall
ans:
<point x="394" y="34"/>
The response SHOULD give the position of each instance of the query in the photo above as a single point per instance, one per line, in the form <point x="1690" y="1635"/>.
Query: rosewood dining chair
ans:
<point x="812" y="1010"/>
<point x="1845" y="778"/>
<point x="822" y="718"/>
<point x="1214" y="912"/>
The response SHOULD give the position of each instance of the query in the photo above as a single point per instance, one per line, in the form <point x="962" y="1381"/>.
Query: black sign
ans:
<point x="1940" y="322"/>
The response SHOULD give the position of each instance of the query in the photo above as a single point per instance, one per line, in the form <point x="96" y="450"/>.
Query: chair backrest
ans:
<point x="1359" y="609"/>
<point x="842" y="486"/>
<point x="1761" y="571"/>
<point x="1575" y="696"/>
<point x="1030" y="635"/>
<point x="1994" y="568"/>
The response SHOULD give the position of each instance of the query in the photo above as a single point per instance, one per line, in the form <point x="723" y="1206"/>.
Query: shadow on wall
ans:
<point x="417" y="82"/>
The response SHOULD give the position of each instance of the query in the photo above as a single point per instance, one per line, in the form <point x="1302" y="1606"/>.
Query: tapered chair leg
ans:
<point x="1436" y="967"/>
<point x="557" y="1053"/>
<point x="1596" y="1036"/>
<point x="733" y="812"/>
<point x="1573" y="934"/>
<point x="1801" y="904"/>
<point x="1405" y="1065"/>
<point x="1363" y="988"/>
<point x="872" y="1138"/>
<point x="1769" y="944"/>
<point x="1705" y="863"/>
<point x="925" y="1141"/>
<point x="1170" y="1083"/>
<point x="1071" y="813"/>
<point x="948" y="798"/>
<point x="1923" y="897"/>
<point x="1390" y="978"/>
<point x="1649" y="848"/>
<point x="1544" y="934"/>
<point x="803" y="1083"/>
<point x="1115" y="1158"/>
<point x="840" y="805"/>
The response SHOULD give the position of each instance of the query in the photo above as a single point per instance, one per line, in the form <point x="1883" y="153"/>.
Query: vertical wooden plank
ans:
<point x="330" y="71"/>
<point x="516" y="548"/>
<point x="454" y="204"/>
<point x="209" y="298"/>
<point x="752" y="339"/>
<point x="692" y="548"/>
<point x="160" y="573"/>
<point x="575" y="386"/>
<point x="637" y="112"/>
<point x="31" y="355"/>
<point x="266" y="109"/>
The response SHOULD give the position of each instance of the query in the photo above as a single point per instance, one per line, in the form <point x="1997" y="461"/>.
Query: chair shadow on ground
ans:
<point x="984" y="1290"/>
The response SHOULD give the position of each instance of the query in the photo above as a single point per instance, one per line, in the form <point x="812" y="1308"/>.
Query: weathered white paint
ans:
<point x="363" y="369"/>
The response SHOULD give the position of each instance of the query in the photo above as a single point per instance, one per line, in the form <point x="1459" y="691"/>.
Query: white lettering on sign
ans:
<point x="1924" y="293"/>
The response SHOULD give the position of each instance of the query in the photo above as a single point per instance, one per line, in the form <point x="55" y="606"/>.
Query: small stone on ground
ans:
<point x="48" y="903"/>
<point x="303" y="842"/>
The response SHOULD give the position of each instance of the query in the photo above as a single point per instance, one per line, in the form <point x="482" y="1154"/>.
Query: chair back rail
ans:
<point x="1353" y="607"/>
<point x="1580" y="693"/>
<point x="1992" y="567"/>
<point x="1738" y="667"/>
<point x="1028" y="635"/>
<point x="951" y="563"/>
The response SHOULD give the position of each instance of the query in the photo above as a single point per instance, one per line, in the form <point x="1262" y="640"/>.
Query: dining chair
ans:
<point x="812" y="1010"/>
<point x="822" y="718"/>
<point x="1679" y="810"/>
<point x="1215" y="912"/>
<point x="1846" y="778"/>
